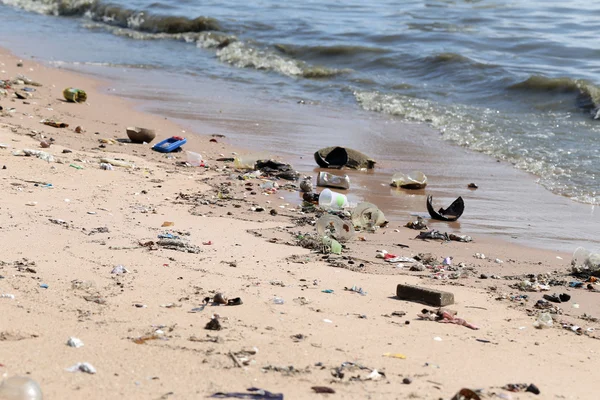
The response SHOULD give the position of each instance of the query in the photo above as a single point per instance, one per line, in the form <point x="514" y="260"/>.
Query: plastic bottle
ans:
<point x="20" y="388"/>
<point x="331" y="180"/>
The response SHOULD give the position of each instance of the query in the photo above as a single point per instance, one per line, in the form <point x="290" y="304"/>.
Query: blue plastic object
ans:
<point x="170" y="144"/>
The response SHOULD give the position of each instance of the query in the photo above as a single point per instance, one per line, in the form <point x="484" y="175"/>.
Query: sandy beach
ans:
<point x="67" y="224"/>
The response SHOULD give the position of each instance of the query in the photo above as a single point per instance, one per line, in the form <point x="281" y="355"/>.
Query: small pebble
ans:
<point x="407" y="381"/>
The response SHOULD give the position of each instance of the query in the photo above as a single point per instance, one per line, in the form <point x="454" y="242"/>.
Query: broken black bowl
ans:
<point x="336" y="158"/>
<point x="451" y="213"/>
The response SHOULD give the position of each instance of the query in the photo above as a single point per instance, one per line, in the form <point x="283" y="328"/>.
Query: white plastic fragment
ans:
<point x="74" y="342"/>
<point x="82" y="367"/>
<point x="119" y="269"/>
<point x="373" y="376"/>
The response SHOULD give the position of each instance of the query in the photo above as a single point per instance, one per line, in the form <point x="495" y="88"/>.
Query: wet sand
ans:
<point x="139" y="329"/>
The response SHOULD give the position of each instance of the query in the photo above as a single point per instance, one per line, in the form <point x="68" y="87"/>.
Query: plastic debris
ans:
<point x="373" y="376"/>
<point x="119" y="269"/>
<point x="334" y="227"/>
<point x="395" y="355"/>
<point x="367" y="216"/>
<point x="327" y="179"/>
<point x="82" y="367"/>
<point x="117" y="163"/>
<point x="330" y="200"/>
<point x="277" y="169"/>
<point x="356" y="289"/>
<point x="331" y="245"/>
<point x="521" y="387"/>
<point x="253" y="393"/>
<point x="392" y="258"/>
<point x="544" y="320"/>
<point x="20" y="388"/>
<point x="338" y="157"/>
<point x="213" y="324"/>
<point x="585" y="262"/>
<point x="74" y="342"/>
<point x="418" y="225"/>
<point x="451" y="213"/>
<point x="42" y="155"/>
<point x="413" y="180"/>
<point x="75" y="95"/>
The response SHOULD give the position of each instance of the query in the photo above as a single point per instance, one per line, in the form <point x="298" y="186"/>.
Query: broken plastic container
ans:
<point x="412" y="180"/>
<point x="247" y="161"/>
<point x="329" y="199"/>
<point x="20" y="388"/>
<point x="583" y="258"/>
<point x="195" y="159"/>
<point x="331" y="180"/>
<point x="544" y="320"/>
<point x="334" y="227"/>
<point x="367" y="215"/>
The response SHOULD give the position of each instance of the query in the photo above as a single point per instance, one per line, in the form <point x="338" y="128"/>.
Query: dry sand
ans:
<point x="92" y="220"/>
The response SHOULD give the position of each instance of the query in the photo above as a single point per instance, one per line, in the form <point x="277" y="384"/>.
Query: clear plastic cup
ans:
<point x="329" y="199"/>
<point x="367" y="215"/>
<point x="334" y="227"/>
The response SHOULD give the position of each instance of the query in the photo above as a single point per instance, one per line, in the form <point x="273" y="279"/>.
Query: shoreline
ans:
<point x="500" y="208"/>
<point x="249" y="256"/>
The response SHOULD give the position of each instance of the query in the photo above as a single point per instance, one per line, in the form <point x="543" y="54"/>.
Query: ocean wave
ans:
<point x="242" y="55"/>
<point x="454" y="59"/>
<point x="588" y="94"/>
<point x="230" y="50"/>
<point x="204" y="32"/>
<point x="201" y="39"/>
<point x="117" y="16"/>
<point x="328" y="51"/>
<point x="486" y="131"/>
